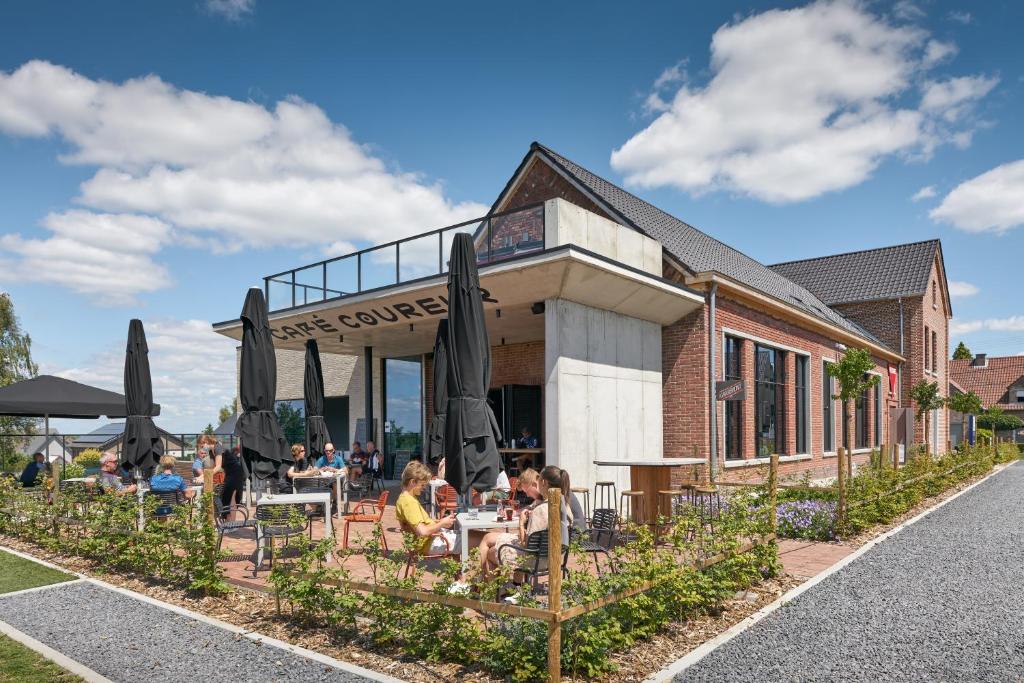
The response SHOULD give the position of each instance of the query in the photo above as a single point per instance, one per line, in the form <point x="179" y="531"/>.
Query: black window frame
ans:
<point x="732" y="368"/>
<point x="828" y="412"/>
<point x="770" y="390"/>
<point x="801" y="399"/>
<point x="862" y="426"/>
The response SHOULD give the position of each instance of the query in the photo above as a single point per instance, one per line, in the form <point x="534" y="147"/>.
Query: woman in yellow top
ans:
<point x="414" y="519"/>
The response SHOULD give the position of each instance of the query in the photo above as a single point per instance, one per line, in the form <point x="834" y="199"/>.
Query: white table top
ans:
<point x="437" y="483"/>
<point x="487" y="520"/>
<point x="657" y="462"/>
<point x="289" y="498"/>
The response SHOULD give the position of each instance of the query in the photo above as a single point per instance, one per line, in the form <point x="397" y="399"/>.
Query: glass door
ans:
<point x="403" y="413"/>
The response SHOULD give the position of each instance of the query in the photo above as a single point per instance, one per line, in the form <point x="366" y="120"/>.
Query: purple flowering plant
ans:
<point x="813" y="520"/>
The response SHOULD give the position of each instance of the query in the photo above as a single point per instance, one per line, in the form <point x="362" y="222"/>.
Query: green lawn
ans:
<point x="17" y="573"/>
<point x="18" y="663"/>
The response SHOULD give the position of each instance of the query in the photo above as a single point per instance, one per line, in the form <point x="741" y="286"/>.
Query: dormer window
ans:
<point x="1020" y="396"/>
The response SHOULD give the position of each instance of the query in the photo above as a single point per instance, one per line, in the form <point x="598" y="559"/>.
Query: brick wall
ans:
<point x="541" y="183"/>
<point x="684" y="386"/>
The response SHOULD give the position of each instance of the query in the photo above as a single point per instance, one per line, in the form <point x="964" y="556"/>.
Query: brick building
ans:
<point x="617" y="319"/>
<point x="998" y="381"/>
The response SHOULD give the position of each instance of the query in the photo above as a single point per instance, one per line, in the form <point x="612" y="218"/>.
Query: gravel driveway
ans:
<point x="128" y="640"/>
<point x="942" y="600"/>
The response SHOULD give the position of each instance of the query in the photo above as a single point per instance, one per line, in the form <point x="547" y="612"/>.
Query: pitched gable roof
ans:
<point x="991" y="381"/>
<point x="894" y="272"/>
<point x="695" y="250"/>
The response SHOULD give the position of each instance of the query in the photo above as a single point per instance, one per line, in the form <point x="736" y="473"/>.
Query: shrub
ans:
<point x="814" y="520"/>
<point x="88" y="458"/>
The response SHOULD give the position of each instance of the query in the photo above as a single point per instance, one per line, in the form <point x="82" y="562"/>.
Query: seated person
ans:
<point x="167" y="480"/>
<point x="413" y="518"/>
<point x="527" y="496"/>
<point x="331" y="460"/>
<point x="502" y="484"/>
<point x="526" y="440"/>
<point x="110" y="478"/>
<point x="35" y="467"/>
<point x="197" y="466"/>
<point x="357" y="459"/>
<point x="526" y="492"/>
<point x="374" y="459"/>
<point x="301" y="467"/>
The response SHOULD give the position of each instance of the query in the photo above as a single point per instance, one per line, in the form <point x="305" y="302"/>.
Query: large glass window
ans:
<point x="291" y="415"/>
<point x="403" y="406"/>
<point x="927" y="348"/>
<point x="801" y="404"/>
<point x="733" y="409"/>
<point x="771" y="404"/>
<point x="878" y="414"/>
<point x="863" y="430"/>
<point x="828" y="418"/>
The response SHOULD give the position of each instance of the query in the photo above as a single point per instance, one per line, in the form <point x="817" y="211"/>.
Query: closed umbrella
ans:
<point x="313" y="395"/>
<point x="143" y="446"/>
<point x="471" y="433"/>
<point x="264" y="450"/>
<point x="435" y="435"/>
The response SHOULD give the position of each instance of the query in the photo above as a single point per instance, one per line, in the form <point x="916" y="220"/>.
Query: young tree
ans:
<point x="226" y="411"/>
<point x="965" y="404"/>
<point x="962" y="352"/>
<point x="926" y="395"/>
<point x="208" y="429"/>
<point x="852" y="378"/>
<point x="15" y="365"/>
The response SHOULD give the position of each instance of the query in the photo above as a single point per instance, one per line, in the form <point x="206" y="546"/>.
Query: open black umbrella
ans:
<point x="435" y="435"/>
<point x="264" y="450"/>
<point x="143" y="446"/>
<point x="471" y="433"/>
<point x="313" y="395"/>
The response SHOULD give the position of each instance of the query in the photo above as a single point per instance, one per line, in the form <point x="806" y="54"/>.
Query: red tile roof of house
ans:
<point x="991" y="382"/>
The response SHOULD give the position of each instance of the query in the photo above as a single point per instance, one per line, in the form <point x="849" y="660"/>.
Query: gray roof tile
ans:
<point x="698" y="251"/>
<point x="885" y="273"/>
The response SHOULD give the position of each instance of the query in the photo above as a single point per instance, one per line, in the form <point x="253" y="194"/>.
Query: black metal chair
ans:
<point x="168" y="500"/>
<point x="604" y="527"/>
<point x="534" y="557"/>
<point x="278" y="521"/>
<point x="581" y="539"/>
<point x="222" y="513"/>
<point x="315" y="485"/>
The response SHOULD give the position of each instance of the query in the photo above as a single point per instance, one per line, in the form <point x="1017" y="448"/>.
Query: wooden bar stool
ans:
<point x="632" y="504"/>
<point x="669" y="501"/>
<point x="604" y="495"/>
<point x="708" y="502"/>
<point x="688" y="493"/>
<point x="585" y="493"/>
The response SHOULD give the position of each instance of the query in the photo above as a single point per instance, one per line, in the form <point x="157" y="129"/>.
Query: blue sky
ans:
<point x="158" y="158"/>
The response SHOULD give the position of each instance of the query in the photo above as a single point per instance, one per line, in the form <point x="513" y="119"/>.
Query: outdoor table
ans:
<point x="292" y="499"/>
<point x="486" y="520"/>
<point x="651" y="476"/>
<point x="340" y="491"/>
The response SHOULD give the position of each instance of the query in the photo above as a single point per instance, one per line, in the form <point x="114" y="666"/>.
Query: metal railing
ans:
<point x="63" y="448"/>
<point x="497" y="237"/>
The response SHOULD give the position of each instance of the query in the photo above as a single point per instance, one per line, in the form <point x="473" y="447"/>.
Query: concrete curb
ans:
<point x="36" y="589"/>
<point x="80" y="670"/>
<point x="694" y="656"/>
<point x="251" y="635"/>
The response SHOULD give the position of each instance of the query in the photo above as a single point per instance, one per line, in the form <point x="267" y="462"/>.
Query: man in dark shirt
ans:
<point x="30" y="474"/>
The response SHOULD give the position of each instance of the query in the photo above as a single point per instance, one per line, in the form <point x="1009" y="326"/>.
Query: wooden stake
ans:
<point x="896" y="456"/>
<point x="773" y="491"/>
<point x="208" y="488"/>
<point x="555" y="584"/>
<point x="841" y="483"/>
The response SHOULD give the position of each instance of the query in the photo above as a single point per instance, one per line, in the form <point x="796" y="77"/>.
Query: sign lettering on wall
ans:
<point x="893" y="375"/>
<point x="398" y="312"/>
<point x="730" y="390"/>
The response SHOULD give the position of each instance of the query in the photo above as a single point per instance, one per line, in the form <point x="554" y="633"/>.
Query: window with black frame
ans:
<point x="828" y="418"/>
<point x="861" y="425"/>
<point x="878" y="414"/>
<point x="771" y="404"/>
<point x="733" y="409"/>
<point x="801" y="403"/>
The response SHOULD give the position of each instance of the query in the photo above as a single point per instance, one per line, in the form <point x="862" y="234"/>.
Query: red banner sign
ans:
<point x="893" y="375"/>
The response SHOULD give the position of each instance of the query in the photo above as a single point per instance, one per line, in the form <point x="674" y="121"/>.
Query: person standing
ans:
<point x="234" y="478"/>
<point x="30" y="475"/>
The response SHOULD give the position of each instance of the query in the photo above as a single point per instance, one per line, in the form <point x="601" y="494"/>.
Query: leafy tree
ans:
<point x="965" y="404"/>
<point x="226" y="411"/>
<point x="208" y="429"/>
<point x="1002" y="420"/>
<point x="15" y="365"/>
<point x="292" y="422"/>
<point x="926" y="395"/>
<point x="852" y="378"/>
<point x="962" y="352"/>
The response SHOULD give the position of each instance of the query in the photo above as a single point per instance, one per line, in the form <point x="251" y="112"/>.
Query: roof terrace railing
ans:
<point x="497" y="237"/>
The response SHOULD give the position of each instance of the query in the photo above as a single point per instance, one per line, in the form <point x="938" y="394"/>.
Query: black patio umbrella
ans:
<point x="264" y="450"/>
<point x="471" y="433"/>
<point x="143" y="446"/>
<point x="313" y="395"/>
<point x="435" y="435"/>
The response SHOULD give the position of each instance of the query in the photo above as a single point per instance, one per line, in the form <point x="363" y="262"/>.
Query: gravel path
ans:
<point x="942" y="600"/>
<point x="133" y="641"/>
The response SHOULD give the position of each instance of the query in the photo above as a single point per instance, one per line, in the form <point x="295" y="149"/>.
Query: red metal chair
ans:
<point x="446" y="499"/>
<point x="417" y="554"/>
<point x="370" y="511"/>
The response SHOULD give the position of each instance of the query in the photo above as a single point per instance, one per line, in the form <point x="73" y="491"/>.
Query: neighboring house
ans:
<point x="225" y="432"/>
<point x="998" y="381"/>
<point x="51" y="444"/>
<point x="107" y="439"/>
<point x="900" y="295"/>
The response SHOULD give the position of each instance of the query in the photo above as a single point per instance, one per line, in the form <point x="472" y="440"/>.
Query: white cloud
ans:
<point x="107" y="257"/>
<point x="193" y="370"/>
<point x="233" y="10"/>
<point x="907" y="10"/>
<point x="990" y="202"/>
<point x="222" y="173"/>
<point x="1014" y="323"/>
<point x="962" y="289"/>
<point x="960" y="17"/>
<point x="926" y="192"/>
<point x="669" y="77"/>
<point x="801" y="102"/>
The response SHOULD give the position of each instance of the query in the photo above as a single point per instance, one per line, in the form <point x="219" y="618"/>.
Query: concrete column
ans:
<point x="368" y="393"/>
